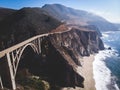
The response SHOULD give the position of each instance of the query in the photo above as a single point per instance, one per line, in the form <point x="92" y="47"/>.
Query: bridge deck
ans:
<point x="2" y="53"/>
<point x="8" y="50"/>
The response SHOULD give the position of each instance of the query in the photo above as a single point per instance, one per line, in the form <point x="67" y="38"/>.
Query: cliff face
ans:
<point x="58" y="68"/>
<point x="60" y="57"/>
<point x="76" y="43"/>
<point x="61" y="53"/>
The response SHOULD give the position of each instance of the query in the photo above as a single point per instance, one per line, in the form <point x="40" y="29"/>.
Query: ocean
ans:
<point x="106" y="66"/>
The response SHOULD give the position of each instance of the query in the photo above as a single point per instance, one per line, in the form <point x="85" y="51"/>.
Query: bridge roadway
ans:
<point x="10" y="49"/>
<point x="12" y="57"/>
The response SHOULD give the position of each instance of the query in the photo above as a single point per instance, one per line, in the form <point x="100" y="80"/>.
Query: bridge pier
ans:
<point x="6" y="73"/>
<point x="1" y="84"/>
<point x="12" y="77"/>
<point x="39" y="45"/>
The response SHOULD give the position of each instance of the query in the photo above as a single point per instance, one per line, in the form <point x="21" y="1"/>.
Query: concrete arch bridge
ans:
<point x="12" y="56"/>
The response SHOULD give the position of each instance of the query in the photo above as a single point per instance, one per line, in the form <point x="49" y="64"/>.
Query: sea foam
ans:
<point x="102" y="75"/>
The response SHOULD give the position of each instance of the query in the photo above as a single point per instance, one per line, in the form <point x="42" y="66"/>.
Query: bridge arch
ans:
<point x="34" y="48"/>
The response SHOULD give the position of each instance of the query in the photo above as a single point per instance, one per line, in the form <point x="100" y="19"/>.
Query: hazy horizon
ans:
<point x="108" y="9"/>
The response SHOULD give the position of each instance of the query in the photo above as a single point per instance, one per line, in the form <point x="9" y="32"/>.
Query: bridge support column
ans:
<point x="1" y="84"/>
<point x="12" y="77"/>
<point x="39" y="45"/>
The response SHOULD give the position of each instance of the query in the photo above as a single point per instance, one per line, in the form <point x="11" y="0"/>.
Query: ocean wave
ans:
<point x="102" y="74"/>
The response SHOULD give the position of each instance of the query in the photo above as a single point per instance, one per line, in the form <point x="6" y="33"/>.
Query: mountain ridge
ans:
<point x="25" y="23"/>
<point x="79" y="17"/>
<point x="4" y="12"/>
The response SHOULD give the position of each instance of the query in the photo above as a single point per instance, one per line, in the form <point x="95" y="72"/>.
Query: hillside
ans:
<point x="4" y="12"/>
<point x="25" y="23"/>
<point x="78" y="17"/>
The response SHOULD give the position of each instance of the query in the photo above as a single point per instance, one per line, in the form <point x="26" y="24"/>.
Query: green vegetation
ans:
<point x="33" y="83"/>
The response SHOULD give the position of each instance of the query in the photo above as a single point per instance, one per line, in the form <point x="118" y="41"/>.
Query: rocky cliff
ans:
<point x="60" y="57"/>
<point x="76" y="43"/>
<point x="61" y="53"/>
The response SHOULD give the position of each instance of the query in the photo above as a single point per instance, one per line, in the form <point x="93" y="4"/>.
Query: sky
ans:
<point x="109" y="9"/>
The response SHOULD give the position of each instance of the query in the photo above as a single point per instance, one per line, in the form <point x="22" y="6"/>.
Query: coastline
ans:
<point x="87" y="72"/>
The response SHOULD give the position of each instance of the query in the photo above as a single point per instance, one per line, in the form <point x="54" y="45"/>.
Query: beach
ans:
<point x="87" y="72"/>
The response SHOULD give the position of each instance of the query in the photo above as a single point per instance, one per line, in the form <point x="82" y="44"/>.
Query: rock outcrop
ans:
<point x="78" y="42"/>
<point x="61" y="53"/>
